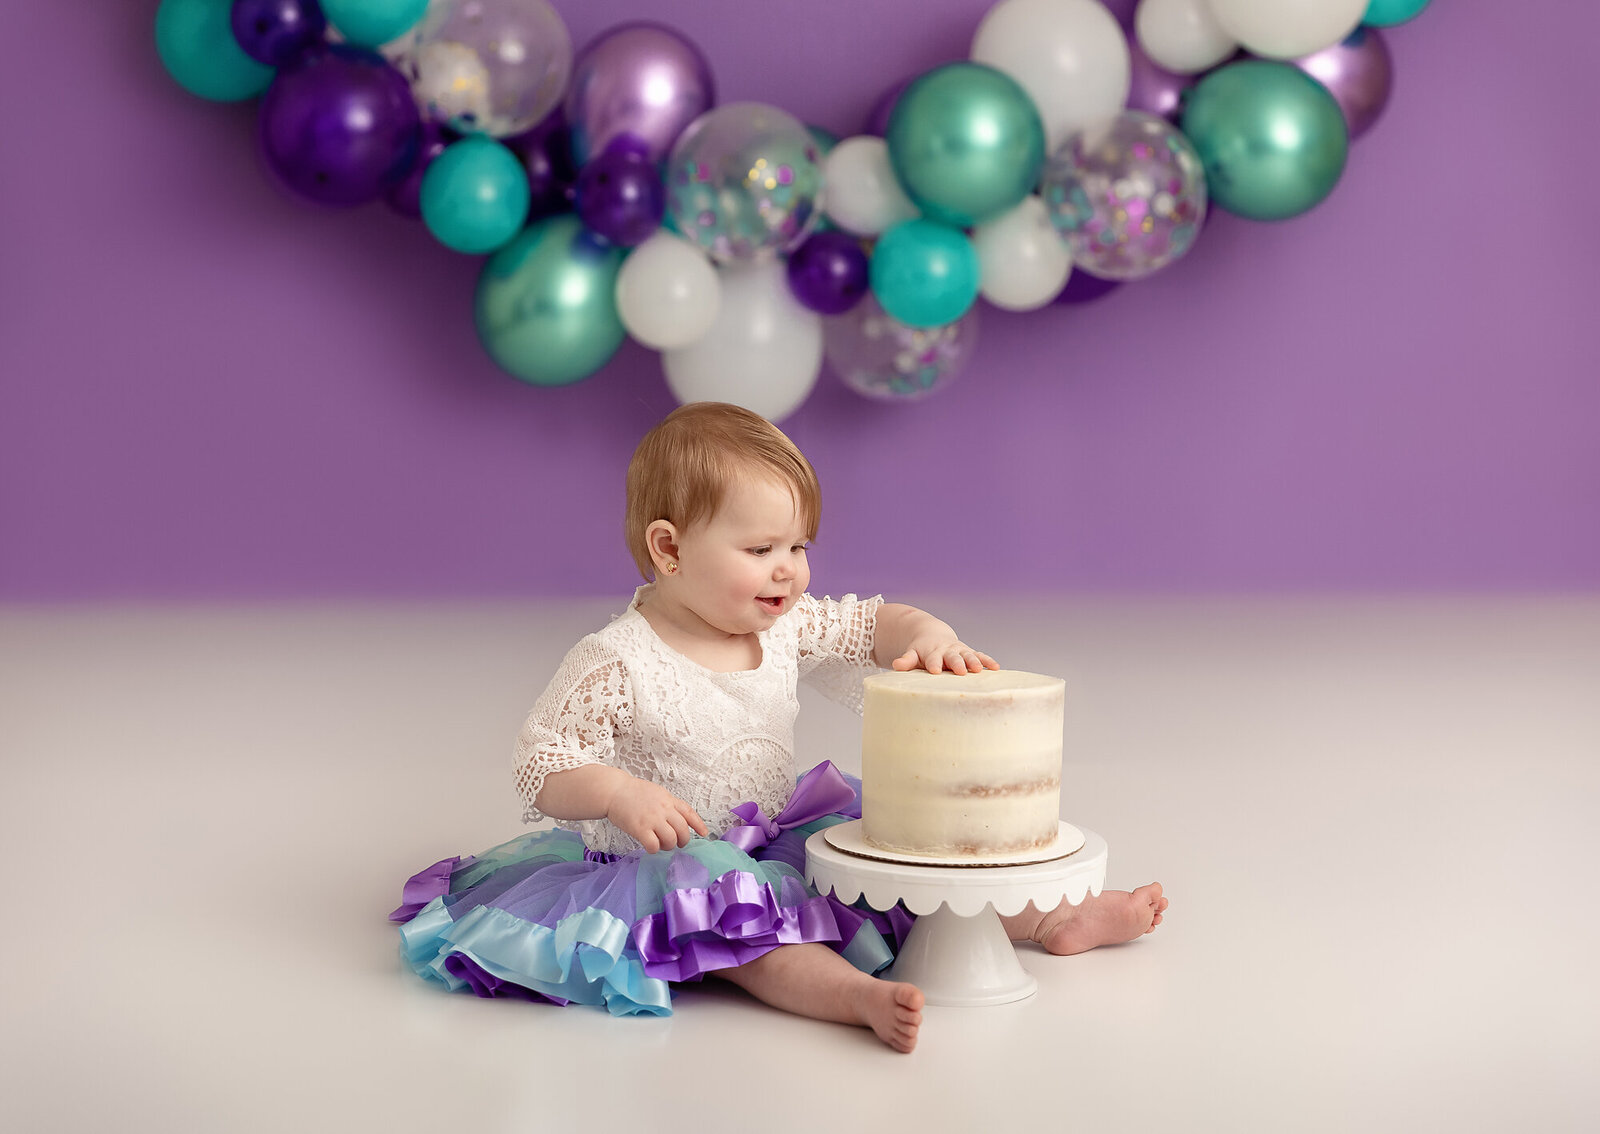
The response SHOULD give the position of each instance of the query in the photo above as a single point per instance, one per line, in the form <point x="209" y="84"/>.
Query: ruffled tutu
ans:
<point x="540" y="918"/>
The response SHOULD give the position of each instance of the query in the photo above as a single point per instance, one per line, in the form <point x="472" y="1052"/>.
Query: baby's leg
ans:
<point x="812" y="980"/>
<point x="1107" y="918"/>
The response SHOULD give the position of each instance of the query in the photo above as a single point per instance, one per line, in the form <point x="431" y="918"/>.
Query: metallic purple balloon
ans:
<point x="406" y="196"/>
<point x="339" y="127"/>
<point x="620" y="196"/>
<point x="276" y="32"/>
<point x="829" y="272"/>
<point x="1358" y="72"/>
<point x="641" y="79"/>
<point x="877" y="122"/>
<point x="1153" y="89"/>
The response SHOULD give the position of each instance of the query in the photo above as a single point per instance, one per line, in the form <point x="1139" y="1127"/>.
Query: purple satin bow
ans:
<point x="821" y="791"/>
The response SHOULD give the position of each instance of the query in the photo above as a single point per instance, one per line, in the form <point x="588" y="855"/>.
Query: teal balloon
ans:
<point x="371" y="23"/>
<point x="1387" y="13"/>
<point x="546" y="309"/>
<point x="1272" y="139"/>
<point x="195" y="41"/>
<point x="924" y="273"/>
<point x="966" y="143"/>
<point x="475" y="195"/>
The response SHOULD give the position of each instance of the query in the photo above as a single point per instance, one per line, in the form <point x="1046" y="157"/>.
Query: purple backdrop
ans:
<point x="210" y="390"/>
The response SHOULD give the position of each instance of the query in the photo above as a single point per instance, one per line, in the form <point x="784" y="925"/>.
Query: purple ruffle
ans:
<point x="734" y="920"/>
<point x="426" y="885"/>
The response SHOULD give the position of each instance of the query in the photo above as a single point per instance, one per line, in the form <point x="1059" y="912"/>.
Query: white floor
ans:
<point x="1376" y="821"/>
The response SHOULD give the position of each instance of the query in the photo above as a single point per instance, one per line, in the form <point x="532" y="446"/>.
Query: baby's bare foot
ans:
<point x="1107" y="918"/>
<point x="893" y="1011"/>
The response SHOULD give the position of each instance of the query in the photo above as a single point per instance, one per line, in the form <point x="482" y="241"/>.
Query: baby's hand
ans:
<point x="653" y="815"/>
<point x="938" y="653"/>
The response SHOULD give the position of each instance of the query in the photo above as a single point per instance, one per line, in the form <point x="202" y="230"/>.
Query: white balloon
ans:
<point x="863" y="195"/>
<point x="1182" y="35"/>
<point x="668" y="293"/>
<point x="763" y="352"/>
<point x="1023" y="263"/>
<point x="1069" y="55"/>
<point x="1288" y="29"/>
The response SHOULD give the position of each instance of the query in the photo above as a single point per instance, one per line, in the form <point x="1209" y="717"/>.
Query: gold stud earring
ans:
<point x="671" y="568"/>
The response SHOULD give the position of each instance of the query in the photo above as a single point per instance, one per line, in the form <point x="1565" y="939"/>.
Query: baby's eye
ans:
<point x="761" y="550"/>
<point x="801" y="547"/>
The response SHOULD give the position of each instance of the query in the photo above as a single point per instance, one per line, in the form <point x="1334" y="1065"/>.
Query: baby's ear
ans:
<point x="661" y="540"/>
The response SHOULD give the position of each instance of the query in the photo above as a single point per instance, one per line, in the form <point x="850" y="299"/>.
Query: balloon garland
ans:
<point x="614" y="197"/>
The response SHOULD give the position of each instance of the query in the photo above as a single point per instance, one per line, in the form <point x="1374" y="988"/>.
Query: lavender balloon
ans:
<point x="1153" y="89"/>
<point x="1357" y="72"/>
<point x="880" y="357"/>
<point x="829" y="272"/>
<point x="640" y="80"/>
<point x="620" y="196"/>
<point x="340" y="127"/>
<point x="276" y="32"/>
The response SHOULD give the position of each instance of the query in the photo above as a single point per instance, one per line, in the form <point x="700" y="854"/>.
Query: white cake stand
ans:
<point x="958" y="951"/>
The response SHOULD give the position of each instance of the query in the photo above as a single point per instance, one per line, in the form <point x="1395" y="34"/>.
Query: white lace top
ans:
<point x="624" y="697"/>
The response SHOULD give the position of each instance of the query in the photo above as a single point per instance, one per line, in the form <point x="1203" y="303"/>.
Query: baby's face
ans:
<point x="747" y="565"/>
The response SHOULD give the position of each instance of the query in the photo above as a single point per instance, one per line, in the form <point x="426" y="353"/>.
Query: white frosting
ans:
<point x="961" y="763"/>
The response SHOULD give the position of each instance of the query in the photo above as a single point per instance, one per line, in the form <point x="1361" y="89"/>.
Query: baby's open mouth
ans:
<point x="771" y="603"/>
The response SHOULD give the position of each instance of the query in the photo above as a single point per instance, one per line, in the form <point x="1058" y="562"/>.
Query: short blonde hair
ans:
<point x="682" y="469"/>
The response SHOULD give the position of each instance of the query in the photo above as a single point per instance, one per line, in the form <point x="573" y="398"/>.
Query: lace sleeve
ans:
<point x="836" y="645"/>
<point x="574" y="721"/>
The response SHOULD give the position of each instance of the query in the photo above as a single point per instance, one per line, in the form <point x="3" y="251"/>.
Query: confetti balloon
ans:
<point x="1358" y="73"/>
<point x="880" y="357"/>
<point x="1128" y="197"/>
<point x="546" y="305"/>
<point x="493" y="67"/>
<point x="744" y="182"/>
<point x="1272" y="139"/>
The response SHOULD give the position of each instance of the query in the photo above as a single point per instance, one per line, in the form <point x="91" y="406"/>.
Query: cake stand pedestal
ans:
<point x="957" y="952"/>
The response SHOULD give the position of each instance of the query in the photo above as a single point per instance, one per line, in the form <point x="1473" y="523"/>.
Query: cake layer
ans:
<point x="961" y="763"/>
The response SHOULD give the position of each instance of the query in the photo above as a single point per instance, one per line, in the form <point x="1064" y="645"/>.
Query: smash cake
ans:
<point x="961" y="765"/>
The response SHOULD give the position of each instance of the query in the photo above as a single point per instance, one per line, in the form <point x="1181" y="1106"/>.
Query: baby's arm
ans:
<point x="647" y="811"/>
<point x="908" y="638"/>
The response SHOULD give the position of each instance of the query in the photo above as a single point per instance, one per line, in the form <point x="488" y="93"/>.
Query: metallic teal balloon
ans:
<point x="1387" y="13"/>
<point x="925" y="273"/>
<point x="195" y="41"/>
<point x="966" y="143"/>
<point x="1272" y="139"/>
<point x="546" y="307"/>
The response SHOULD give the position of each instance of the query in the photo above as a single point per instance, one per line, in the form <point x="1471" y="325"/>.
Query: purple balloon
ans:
<point x="546" y="153"/>
<point x="641" y="79"/>
<point x="878" y="117"/>
<point x="1153" y="89"/>
<point x="829" y="273"/>
<point x="1357" y="72"/>
<point x="277" y="32"/>
<point x="339" y="127"/>
<point x="1084" y="288"/>
<point x="620" y="196"/>
<point x="406" y="196"/>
